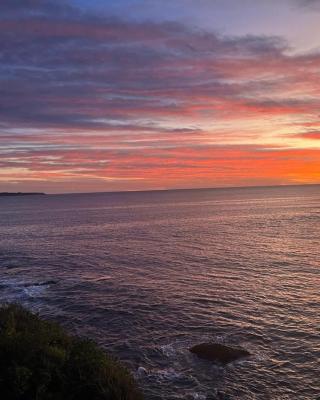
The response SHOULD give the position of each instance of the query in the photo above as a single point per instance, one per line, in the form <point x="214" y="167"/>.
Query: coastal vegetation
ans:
<point x="40" y="361"/>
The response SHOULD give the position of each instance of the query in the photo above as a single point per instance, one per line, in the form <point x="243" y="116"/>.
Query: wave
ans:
<point x="15" y="290"/>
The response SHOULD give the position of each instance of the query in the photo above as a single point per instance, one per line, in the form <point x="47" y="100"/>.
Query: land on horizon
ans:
<point x="179" y="189"/>
<point x="4" y="194"/>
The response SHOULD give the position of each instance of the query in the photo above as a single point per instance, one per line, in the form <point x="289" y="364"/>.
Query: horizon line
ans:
<point x="187" y="189"/>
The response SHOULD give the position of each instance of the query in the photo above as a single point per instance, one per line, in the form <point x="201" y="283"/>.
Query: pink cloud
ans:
<point x="87" y="98"/>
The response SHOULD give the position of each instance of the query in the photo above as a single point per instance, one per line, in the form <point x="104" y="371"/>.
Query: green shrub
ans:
<point x="40" y="361"/>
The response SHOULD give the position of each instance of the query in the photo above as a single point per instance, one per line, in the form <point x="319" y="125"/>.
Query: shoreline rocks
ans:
<point x="217" y="352"/>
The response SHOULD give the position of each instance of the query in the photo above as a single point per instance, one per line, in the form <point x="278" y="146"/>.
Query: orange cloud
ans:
<point x="92" y="103"/>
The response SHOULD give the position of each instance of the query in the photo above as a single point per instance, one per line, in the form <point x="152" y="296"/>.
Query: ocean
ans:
<point x="150" y="274"/>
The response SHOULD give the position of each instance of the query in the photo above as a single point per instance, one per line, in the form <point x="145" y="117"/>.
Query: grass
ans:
<point x="40" y="361"/>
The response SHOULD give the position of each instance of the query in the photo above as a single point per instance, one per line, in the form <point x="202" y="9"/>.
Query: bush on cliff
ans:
<point x="40" y="361"/>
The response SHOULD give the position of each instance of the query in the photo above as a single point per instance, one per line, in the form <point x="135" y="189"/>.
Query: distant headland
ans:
<point x="21" y="194"/>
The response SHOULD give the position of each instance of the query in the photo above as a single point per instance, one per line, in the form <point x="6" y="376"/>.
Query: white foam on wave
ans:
<point x="198" y="396"/>
<point x="15" y="289"/>
<point x="168" y="350"/>
<point x="35" y="290"/>
<point x="141" y="372"/>
<point x="168" y="374"/>
<point x="160" y="375"/>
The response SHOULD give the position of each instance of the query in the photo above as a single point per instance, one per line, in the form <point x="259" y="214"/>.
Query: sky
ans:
<point x="107" y="95"/>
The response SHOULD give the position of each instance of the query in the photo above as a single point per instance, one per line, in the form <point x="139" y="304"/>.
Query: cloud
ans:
<point x="68" y="68"/>
<point x="309" y="4"/>
<point x="313" y="135"/>
<point x="153" y="168"/>
<point x="98" y="97"/>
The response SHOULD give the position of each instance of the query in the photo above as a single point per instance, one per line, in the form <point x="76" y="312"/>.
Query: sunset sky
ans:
<point x="106" y="95"/>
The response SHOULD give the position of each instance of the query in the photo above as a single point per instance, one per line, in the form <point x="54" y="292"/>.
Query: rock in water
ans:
<point x="142" y="372"/>
<point x="218" y="352"/>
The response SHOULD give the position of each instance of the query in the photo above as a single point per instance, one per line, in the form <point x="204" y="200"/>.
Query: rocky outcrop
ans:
<point x="217" y="352"/>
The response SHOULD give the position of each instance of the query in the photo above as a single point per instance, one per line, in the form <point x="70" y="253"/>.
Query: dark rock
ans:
<point x="6" y="194"/>
<point x="218" y="352"/>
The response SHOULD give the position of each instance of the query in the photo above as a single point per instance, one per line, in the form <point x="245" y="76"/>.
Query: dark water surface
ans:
<point x="150" y="274"/>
